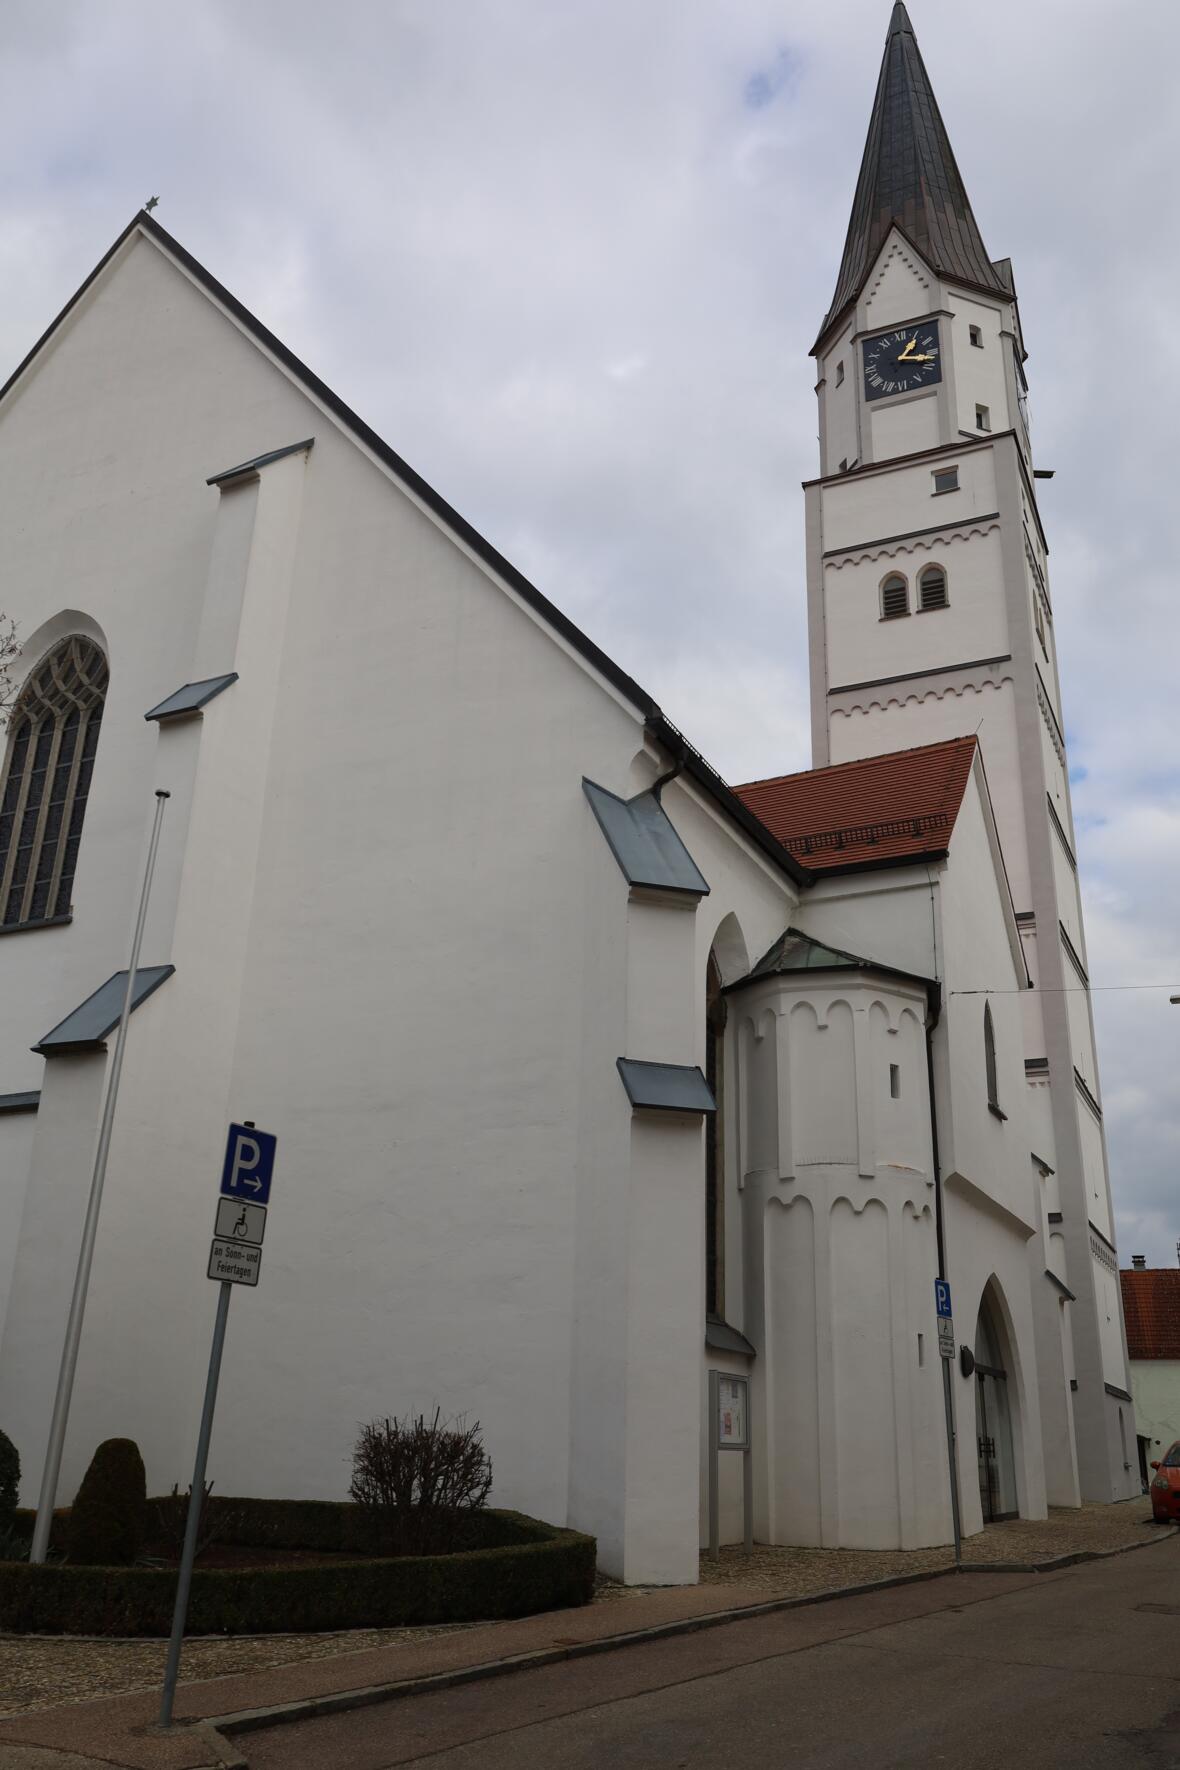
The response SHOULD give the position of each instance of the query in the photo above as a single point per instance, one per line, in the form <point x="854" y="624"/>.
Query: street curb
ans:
<point x="340" y="1701"/>
<point x="1061" y="1561"/>
<point x="368" y="1695"/>
<point x="365" y="1696"/>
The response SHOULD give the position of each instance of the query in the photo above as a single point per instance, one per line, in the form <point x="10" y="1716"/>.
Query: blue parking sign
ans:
<point x="249" y="1164"/>
<point x="942" y="1296"/>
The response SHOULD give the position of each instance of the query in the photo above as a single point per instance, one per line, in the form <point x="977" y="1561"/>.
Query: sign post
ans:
<point x="234" y="1258"/>
<point x="729" y="1429"/>
<point x="946" y="1352"/>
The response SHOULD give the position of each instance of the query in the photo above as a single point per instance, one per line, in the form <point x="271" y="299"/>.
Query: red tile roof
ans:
<point x="1151" y="1304"/>
<point x="857" y="814"/>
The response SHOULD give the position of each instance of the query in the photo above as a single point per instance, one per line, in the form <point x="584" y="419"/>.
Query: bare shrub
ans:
<point x="9" y="650"/>
<point x="171" y="1513"/>
<point x="416" y="1480"/>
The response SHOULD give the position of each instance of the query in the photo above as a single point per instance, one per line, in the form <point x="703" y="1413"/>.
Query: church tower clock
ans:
<point x="930" y="616"/>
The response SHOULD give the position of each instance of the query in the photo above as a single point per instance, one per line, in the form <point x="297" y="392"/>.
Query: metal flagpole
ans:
<point x="69" y="1356"/>
<point x="196" y="1501"/>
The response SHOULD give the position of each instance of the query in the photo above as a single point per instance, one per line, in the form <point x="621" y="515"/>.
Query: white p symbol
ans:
<point x="244" y="1162"/>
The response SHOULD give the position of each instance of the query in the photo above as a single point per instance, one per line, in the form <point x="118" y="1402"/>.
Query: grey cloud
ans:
<point x="560" y="261"/>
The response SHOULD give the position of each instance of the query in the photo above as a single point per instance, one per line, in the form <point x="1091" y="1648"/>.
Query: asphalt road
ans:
<point x="976" y="1672"/>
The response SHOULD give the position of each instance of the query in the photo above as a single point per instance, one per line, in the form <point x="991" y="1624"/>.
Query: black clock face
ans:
<point x="902" y="361"/>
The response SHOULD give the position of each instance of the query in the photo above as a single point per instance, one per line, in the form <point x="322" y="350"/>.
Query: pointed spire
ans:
<point x="908" y="176"/>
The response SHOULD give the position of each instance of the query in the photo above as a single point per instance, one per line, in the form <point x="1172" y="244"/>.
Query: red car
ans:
<point x="1165" y="1487"/>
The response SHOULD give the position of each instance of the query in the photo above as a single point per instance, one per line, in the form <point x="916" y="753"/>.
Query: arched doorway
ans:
<point x="993" y="1419"/>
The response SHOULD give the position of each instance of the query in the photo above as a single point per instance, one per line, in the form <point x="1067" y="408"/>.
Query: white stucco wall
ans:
<point x="1155" y="1384"/>
<point x="981" y="370"/>
<point x="896" y="499"/>
<point x="401" y="944"/>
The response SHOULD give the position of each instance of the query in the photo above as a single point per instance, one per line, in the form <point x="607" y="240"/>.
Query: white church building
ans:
<point x="596" y="1081"/>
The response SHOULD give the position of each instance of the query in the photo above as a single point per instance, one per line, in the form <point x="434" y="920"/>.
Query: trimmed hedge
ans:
<point x="9" y="1481"/>
<point x="521" y="1567"/>
<point x="109" y="1514"/>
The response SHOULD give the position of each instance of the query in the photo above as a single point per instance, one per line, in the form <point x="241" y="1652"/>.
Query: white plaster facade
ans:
<point x="986" y="664"/>
<point x="402" y="943"/>
<point x="1155" y="1384"/>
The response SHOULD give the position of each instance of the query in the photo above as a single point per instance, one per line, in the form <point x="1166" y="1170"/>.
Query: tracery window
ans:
<point x="52" y="741"/>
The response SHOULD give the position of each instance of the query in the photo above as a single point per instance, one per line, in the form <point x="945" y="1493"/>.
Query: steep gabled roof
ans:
<point x="909" y="179"/>
<point x="880" y="810"/>
<point x="1151" y="1304"/>
<point x="662" y="729"/>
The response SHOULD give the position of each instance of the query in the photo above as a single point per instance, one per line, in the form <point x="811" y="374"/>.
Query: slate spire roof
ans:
<point x="908" y="176"/>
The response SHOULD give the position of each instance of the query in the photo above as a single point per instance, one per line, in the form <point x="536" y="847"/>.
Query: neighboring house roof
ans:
<point x="879" y="811"/>
<point x="1151" y="1304"/>
<point x="909" y="179"/>
<point x="661" y="728"/>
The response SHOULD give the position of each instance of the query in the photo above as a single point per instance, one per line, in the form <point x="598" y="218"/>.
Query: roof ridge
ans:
<point x="773" y="780"/>
<point x="567" y="630"/>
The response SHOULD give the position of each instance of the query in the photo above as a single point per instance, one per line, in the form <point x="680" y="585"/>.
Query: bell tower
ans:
<point x="929" y="617"/>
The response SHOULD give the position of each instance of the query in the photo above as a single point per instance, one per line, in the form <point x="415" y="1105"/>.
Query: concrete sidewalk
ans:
<point x="119" y="1731"/>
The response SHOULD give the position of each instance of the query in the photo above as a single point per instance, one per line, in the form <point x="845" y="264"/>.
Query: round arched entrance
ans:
<point x="994" y="1401"/>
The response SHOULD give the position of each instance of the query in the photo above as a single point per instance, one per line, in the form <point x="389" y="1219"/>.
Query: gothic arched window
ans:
<point x="51" y="744"/>
<point x="989" y="1057"/>
<point x="895" y="596"/>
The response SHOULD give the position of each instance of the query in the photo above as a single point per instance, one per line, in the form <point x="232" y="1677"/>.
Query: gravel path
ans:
<point x="799" y="1573"/>
<point x="41" y="1671"/>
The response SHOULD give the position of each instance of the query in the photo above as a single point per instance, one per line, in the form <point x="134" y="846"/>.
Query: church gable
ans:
<point x="148" y="336"/>
<point x="900" y="287"/>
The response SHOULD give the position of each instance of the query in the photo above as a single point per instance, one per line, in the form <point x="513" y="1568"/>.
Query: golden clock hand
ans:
<point x="907" y="354"/>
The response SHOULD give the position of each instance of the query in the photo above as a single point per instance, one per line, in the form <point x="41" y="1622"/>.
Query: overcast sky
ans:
<point x="569" y="258"/>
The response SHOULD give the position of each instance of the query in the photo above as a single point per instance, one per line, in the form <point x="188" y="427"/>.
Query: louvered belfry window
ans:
<point x="895" y="597"/>
<point x="932" y="587"/>
<point x="52" y="741"/>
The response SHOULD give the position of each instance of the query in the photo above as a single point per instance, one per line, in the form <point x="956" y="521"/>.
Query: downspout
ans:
<point x="934" y="999"/>
<point x="657" y="786"/>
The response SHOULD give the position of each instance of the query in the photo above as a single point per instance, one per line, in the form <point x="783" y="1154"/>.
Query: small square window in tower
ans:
<point x="895" y="597"/>
<point x="977" y="337"/>
<point x="932" y="587"/>
<point x="983" y="418"/>
<point x="840" y="372"/>
<point x="946" y="479"/>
